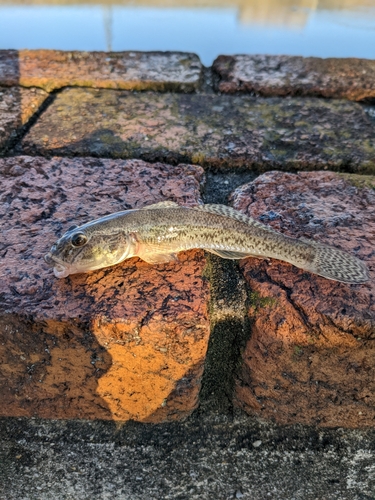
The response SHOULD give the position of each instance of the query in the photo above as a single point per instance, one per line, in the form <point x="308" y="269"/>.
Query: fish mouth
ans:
<point x="60" y="271"/>
<point x="49" y="259"/>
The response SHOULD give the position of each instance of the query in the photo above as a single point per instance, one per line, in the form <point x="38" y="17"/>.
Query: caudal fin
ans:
<point x="337" y="265"/>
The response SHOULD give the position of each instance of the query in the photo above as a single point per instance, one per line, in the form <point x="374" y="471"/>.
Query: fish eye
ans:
<point x="79" y="239"/>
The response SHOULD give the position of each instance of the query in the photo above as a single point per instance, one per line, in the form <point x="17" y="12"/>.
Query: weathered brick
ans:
<point x="311" y="355"/>
<point x="17" y="105"/>
<point x="127" y="342"/>
<point x="269" y="75"/>
<point x="210" y="130"/>
<point x="54" y="69"/>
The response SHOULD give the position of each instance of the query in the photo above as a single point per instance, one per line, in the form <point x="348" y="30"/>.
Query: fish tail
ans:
<point x="335" y="264"/>
<point x="324" y="260"/>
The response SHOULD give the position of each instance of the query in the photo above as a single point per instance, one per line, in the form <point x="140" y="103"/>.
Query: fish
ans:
<point x="156" y="233"/>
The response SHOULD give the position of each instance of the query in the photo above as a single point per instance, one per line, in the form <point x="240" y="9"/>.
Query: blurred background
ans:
<point x="325" y="28"/>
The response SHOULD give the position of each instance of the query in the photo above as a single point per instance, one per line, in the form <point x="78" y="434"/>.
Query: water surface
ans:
<point x="330" y="28"/>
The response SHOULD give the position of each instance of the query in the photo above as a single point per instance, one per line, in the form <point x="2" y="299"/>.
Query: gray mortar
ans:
<point x="206" y="82"/>
<point x="221" y="183"/>
<point x="228" y="334"/>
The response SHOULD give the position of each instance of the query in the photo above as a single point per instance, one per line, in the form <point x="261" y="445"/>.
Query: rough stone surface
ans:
<point x="207" y="129"/>
<point x="127" y="342"/>
<point x="208" y="458"/>
<point x="269" y="75"/>
<point x="17" y="105"/>
<point x="54" y="69"/>
<point x="311" y="355"/>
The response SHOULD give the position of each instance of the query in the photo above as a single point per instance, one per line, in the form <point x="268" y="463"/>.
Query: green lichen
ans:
<point x="198" y="158"/>
<point x="279" y="153"/>
<point x="359" y="181"/>
<point x="258" y="302"/>
<point x="367" y="145"/>
<point x="297" y="353"/>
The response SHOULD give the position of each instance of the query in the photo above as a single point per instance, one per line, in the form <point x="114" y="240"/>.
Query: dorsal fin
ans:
<point x="310" y="242"/>
<point x="232" y="213"/>
<point x="162" y="204"/>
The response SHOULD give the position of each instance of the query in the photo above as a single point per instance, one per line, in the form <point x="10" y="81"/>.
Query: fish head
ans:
<point x="86" y="248"/>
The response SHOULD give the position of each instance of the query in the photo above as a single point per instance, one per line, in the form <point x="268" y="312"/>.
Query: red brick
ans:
<point x="258" y="133"/>
<point x="127" y="342"/>
<point x="269" y="75"/>
<point x="311" y="356"/>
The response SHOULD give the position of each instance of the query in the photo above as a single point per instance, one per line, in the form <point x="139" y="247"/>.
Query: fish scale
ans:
<point x="158" y="232"/>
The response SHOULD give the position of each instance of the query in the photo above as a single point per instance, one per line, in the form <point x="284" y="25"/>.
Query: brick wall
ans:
<point x="287" y="140"/>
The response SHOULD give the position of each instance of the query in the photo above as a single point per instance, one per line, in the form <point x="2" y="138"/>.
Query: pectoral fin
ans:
<point x="158" y="258"/>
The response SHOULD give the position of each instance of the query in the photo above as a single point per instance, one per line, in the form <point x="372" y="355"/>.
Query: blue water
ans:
<point x="205" y="31"/>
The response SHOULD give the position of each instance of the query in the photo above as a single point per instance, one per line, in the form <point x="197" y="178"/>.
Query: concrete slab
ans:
<point x="209" y="458"/>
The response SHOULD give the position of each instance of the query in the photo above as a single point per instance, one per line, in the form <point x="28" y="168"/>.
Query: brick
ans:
<point x="17" y="105"/>
<point x="54" y="69"/>
<point x="311" y="355"/>
<point x="268" y="75"/>
<point x="127" y="342"/>
<point x="255" y="133"/>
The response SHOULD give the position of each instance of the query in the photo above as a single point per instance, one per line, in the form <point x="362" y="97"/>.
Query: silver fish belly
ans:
<point x="158" y="232"/>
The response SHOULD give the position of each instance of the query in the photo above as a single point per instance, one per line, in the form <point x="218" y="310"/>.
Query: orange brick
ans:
<point x="54" y="69"/>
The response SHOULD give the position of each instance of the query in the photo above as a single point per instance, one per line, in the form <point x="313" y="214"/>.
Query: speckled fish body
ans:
<point x="158" y="232"/>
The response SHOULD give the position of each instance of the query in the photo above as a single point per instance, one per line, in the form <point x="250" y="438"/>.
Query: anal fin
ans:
<point x="228" y="254"/>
